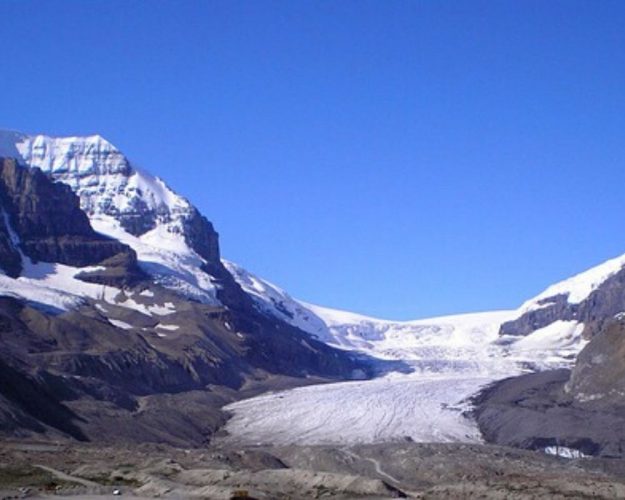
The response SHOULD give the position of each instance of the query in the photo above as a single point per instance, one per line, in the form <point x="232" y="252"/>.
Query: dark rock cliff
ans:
<point x="202" y="237"/>
<point x="10" y="258"/>
<point x="601" y="305"/>
<point x="48" y="221"/>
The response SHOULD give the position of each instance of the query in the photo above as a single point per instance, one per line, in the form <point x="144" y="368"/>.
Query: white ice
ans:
<point x="383" y="409"/>
<point x="564" y="452"/>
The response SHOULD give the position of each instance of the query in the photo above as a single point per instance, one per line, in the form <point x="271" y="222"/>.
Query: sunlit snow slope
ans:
<point x="466" y="342"/>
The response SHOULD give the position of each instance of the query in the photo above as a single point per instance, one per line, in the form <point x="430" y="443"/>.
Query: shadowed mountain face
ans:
<point x="43" y="220"/>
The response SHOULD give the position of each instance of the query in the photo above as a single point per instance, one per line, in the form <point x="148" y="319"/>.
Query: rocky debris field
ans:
<point x="380" y="471"/>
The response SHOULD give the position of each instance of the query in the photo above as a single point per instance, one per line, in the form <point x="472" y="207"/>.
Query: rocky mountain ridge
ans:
<point x="107" y="184"/>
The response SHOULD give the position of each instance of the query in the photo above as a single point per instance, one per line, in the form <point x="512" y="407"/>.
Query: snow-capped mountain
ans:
<point x="459" y="342"/>
<point x="178" y="248"/>
<point x="105" y="181"/>
<point x="96" y="275"/>
<point x="175" y="244"/>
<point x="133" y="253"/>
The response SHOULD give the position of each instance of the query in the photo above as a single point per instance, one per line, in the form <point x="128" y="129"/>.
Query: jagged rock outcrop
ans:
<point x="47" y="220"/>
<point x="10" y="257"/>
<point x="581" y="409"/>
<point x="607" y="300"/>
<point x="202" y="237"/>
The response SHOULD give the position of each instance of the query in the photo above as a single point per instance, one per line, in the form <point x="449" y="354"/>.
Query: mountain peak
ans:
<point x="174" y="241"/>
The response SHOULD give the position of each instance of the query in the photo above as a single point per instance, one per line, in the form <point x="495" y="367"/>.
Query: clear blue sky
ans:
<point x="400" y="159"/>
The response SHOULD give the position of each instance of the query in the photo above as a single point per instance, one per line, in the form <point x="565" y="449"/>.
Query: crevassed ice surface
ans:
<point x="449" y="358"/>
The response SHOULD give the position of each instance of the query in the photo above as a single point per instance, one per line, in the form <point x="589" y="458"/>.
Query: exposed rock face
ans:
<point x="48" y="221"/>
<point x="602" y="304"/>
<point x="582" y="409"/>
<point x="10" y="258"/>
<point x="202" y="237"/>
<point x="118" y="271"/>
<point x="598" y="377"/>
<point x="553" y="309"/>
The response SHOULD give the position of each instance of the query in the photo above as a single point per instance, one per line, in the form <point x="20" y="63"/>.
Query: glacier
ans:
<point x="450" y="359"/>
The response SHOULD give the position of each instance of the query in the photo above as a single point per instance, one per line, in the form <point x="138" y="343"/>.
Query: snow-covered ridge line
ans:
<point x="461" y="343"/>
<point x="99" y="173"/>
<point x="576" y="288"/>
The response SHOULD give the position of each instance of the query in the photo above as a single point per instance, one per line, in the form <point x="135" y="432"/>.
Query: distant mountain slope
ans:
<point x="460" y="342"/>
<point x="589" y="298"/>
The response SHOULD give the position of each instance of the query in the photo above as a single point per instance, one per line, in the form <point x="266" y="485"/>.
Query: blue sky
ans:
<point x="400" y="159"/>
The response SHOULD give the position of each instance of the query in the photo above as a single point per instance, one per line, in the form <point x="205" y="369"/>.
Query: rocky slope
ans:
<point x="581" y="410"/>
<point x="118" y="321"/>
<point x="575" y="410"/>
<point x="590" y="298"/>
